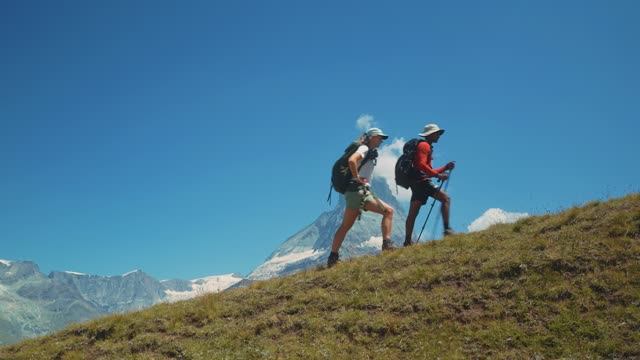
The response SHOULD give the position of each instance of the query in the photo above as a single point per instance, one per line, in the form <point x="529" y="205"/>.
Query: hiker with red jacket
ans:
<point x="422" y="188"/>
<point x="358" y="194"/>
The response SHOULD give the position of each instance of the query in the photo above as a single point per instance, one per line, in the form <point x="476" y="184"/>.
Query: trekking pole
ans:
<point x="429" y="214"/>
<point x="435" y="228"/>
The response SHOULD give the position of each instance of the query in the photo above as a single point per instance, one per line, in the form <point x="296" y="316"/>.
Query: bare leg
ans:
<point x="350" y="216"/>
<point x="446" y="205"/>
<point x="380" y="207"/>
<point x="414" y="209"/>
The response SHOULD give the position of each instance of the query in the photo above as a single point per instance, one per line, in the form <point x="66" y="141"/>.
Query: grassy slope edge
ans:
<point x="561" y="285"/>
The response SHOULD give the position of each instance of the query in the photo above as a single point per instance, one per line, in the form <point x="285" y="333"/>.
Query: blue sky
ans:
<point x="191" y="139"/>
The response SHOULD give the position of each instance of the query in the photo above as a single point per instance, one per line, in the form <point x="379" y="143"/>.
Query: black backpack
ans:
<point x="340" y="173"/>
<point x="405" y="173"/>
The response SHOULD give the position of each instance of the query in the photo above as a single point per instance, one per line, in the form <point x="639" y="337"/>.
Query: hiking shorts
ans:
<point x="356" y="197"/>
<point x="421" y="191"/>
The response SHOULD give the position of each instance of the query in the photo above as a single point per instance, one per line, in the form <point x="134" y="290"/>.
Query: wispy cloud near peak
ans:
<point x="385" y="168"/>
<point x="365" y="122"/>
<point x="494" y="216"/>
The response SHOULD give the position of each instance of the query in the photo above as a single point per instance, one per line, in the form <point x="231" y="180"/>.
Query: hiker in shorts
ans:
<point x="359" y="196"/>
<point x="423" y="188"/>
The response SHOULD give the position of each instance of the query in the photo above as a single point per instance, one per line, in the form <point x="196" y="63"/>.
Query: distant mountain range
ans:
<point x="554" y="286"/>
<point x="34" y="304"/>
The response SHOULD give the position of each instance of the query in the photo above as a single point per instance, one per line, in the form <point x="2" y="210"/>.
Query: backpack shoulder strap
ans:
<point x="372" y="154"/>
<point x="418" y="142"/>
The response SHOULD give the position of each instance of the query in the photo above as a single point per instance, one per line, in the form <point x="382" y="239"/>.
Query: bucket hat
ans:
<point x="376" y="132"/>
<point x="430" y="129"/>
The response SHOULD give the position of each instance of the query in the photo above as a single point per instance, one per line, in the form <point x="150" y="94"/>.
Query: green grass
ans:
<point x="553" y="286"/>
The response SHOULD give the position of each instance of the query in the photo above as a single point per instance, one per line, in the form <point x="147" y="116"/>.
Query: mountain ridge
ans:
<point x="65" y="297"/>
<point x="563" y="285"/>
<point x="35" y="304"/>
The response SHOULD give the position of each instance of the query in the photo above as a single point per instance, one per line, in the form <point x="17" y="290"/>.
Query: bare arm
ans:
<point x="354" y="162"/>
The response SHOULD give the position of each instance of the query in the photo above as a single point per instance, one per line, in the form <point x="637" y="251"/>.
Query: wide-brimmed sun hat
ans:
<point x="376" y="132"/>
<point x="430" y="129"/>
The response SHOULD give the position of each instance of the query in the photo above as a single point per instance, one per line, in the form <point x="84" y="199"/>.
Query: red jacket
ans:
<point x="422" y="162"/>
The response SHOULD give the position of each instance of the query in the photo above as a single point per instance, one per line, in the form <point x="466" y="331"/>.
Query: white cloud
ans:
<point x="494" y="216"/>
<point x="385" y="168"/>
<point x="373" y="242"/>
<point x="365" y="122"/>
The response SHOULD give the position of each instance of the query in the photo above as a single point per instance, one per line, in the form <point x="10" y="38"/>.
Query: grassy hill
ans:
<point x="552" y="286"/>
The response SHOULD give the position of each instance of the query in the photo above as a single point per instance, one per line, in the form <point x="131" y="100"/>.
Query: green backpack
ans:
<point x="341" y="174"/>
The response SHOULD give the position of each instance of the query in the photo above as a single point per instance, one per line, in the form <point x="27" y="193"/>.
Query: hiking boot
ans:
<point x="407" y="243"/>
<point x="449" y="231"/>
<point x="387" y="245"/>
<point x="334" y="258"/>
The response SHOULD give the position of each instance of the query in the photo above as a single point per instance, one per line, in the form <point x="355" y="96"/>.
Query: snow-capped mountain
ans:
<point x="176" y="290"/>
<point x="311" y="245"/>
<point x="34" y="304"/>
